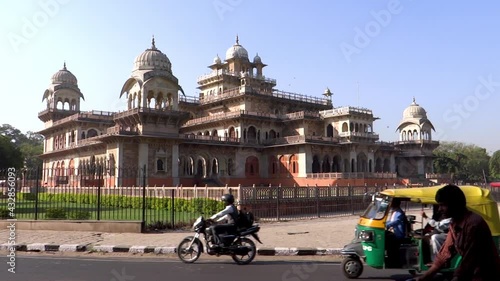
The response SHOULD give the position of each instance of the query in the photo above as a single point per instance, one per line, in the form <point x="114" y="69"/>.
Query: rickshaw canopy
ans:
<point x="479" y="200"/>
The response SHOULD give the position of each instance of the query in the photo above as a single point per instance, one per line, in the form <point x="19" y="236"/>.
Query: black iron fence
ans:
<point x="74" y="195"/>
<point x="94" y="193"/>
<point x="276" y="203"/>
<point x="288" y="203"/>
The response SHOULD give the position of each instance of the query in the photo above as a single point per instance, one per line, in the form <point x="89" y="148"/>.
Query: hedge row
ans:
<point x="197" y="205"/>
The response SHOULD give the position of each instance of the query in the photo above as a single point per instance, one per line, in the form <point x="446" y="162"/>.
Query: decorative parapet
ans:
<point x="360" y="175"/>
<point x="359" y="134"/>
<point x="345" y="110"/>
<point x="242" y="90"/>
<point x="416" y="142"/>
<point x="215" y="74"/>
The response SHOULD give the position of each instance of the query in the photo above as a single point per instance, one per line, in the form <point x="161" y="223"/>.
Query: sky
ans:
<point x="376" y="54"/>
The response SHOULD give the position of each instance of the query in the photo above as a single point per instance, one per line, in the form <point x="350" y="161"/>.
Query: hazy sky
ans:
<point x="446" y="54"/>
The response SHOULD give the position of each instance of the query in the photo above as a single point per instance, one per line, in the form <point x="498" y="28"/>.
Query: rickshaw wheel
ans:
<point x="352" y="267"/>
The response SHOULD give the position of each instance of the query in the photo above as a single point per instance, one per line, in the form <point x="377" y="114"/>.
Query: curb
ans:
<point x="42" y="247"/>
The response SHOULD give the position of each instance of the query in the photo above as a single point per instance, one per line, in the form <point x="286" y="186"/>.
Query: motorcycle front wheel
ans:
<point x="186" y="254"/>
<point x="248" y="257"/>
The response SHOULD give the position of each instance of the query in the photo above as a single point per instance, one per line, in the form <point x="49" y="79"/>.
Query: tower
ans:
<point x="62" y="97"/>
<point x="415" y="142"/>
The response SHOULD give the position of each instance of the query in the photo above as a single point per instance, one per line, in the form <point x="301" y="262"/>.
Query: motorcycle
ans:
<point x="241" y="249"/>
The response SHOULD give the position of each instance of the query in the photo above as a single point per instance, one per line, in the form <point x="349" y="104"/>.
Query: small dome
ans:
<point x="217" y="60"/>
<point x="414" y="111"/>
<point x="64" y="76"/>
<point x="236" y="51"/>
<point x="152" y="59"/>
<point x="257" y="59"/>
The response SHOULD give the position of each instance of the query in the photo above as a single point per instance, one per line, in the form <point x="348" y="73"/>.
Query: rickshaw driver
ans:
<point x="394" y="238"/>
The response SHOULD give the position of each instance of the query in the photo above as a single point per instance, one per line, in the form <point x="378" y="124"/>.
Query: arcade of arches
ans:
<point x="336" y="164"/>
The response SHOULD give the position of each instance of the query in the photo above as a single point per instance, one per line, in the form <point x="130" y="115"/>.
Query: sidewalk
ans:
<point x="322" y="236"/>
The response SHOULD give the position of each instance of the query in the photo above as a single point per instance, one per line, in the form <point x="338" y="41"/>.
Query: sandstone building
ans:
<point x="239" y="130"/>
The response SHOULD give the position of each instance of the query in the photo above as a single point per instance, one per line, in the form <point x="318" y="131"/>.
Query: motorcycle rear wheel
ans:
<point x="248" y="258"/>
<point x="194" y="252"/>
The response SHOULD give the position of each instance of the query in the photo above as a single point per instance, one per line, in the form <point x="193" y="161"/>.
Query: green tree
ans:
<point x="467" y="162"/>
<point x="10" y="155"/>
<point x="31" y="148"/>
<point x="29" y="145"/>
<point x="495" y="165"/>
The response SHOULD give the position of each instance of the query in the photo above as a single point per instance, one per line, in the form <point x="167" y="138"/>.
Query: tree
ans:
<point x="14" y="134"/>
<point x="466" y="161"/>
<point x="495" y="165"/>
<point x="10" y="155"/>
<point x="29" y="145"/>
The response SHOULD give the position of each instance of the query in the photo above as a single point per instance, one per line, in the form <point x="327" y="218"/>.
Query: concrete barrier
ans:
<point x="74" y="225"/>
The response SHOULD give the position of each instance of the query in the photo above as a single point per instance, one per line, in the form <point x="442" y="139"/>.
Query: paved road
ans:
<point x="58" y="268"/>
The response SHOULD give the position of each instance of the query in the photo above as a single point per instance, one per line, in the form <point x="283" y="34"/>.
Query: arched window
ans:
<point x="345" y="127"/>
<point x="252" y="166"/>
<point x="294" y="164"/>
<point x="273" y="165"/>
<point x="329" y="130"/>
<point x="159" y="165"/>
<point x="283" y="165"/>
<point x="91" y="133"/>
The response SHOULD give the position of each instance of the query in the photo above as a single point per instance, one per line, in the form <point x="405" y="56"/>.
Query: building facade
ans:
<point x="239" y="130"/>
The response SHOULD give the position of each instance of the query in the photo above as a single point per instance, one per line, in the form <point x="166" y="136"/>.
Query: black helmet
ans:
<point x="227" y="198"/>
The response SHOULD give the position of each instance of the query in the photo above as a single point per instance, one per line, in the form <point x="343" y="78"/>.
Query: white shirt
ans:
<point x="441" y="225"/>
<point x="225" y="214"/>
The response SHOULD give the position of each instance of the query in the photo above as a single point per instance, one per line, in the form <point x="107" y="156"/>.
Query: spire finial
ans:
<point x="237" y="40"/>
<point x="414" y="99"/>
<point x="153" y="43"/>
<point x="64" y="65"/>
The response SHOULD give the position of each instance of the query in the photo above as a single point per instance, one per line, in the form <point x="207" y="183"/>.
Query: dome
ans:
<point x="152" y="59"/>
<point x="64" y="76"/>
<point x="414" y="111"/>
<point x="236" y="51"/>
<point x="257" y="59"/>
<point x="217" y="60"/>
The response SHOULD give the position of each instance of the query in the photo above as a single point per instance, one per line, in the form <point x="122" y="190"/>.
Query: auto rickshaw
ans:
<point x="368" y="245"/>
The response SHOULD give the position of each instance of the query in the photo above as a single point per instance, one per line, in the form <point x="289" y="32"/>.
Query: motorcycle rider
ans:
<point x="229" y="214"/>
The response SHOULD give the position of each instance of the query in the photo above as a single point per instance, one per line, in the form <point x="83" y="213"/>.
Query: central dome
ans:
<point x="236" y="51"/>
<point x="414" y="111"/>
<point x="64" y="76"/>
<point x="152" y="59"/>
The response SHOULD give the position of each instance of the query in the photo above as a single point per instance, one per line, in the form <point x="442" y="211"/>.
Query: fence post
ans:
<point x="172" y="214"/>
<point x="278" y="202"/>
<point x="98" y="192"/>
<point x="36" y="191"/>
<point x="143" y="223"/>
<point x="317" y="201"/>
<point x="351" y="195"/>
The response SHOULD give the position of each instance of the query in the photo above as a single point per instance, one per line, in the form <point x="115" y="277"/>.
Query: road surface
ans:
<point x="43" y="267"/>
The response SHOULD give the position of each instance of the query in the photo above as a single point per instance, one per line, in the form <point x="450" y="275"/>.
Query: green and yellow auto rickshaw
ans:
<point x="368" y="245"/>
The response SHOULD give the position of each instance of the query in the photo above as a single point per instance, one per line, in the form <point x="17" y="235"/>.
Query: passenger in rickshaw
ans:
<point x="469" y="236"/>
<point x="396" y="231"/>
<point x="439" y="225"/>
